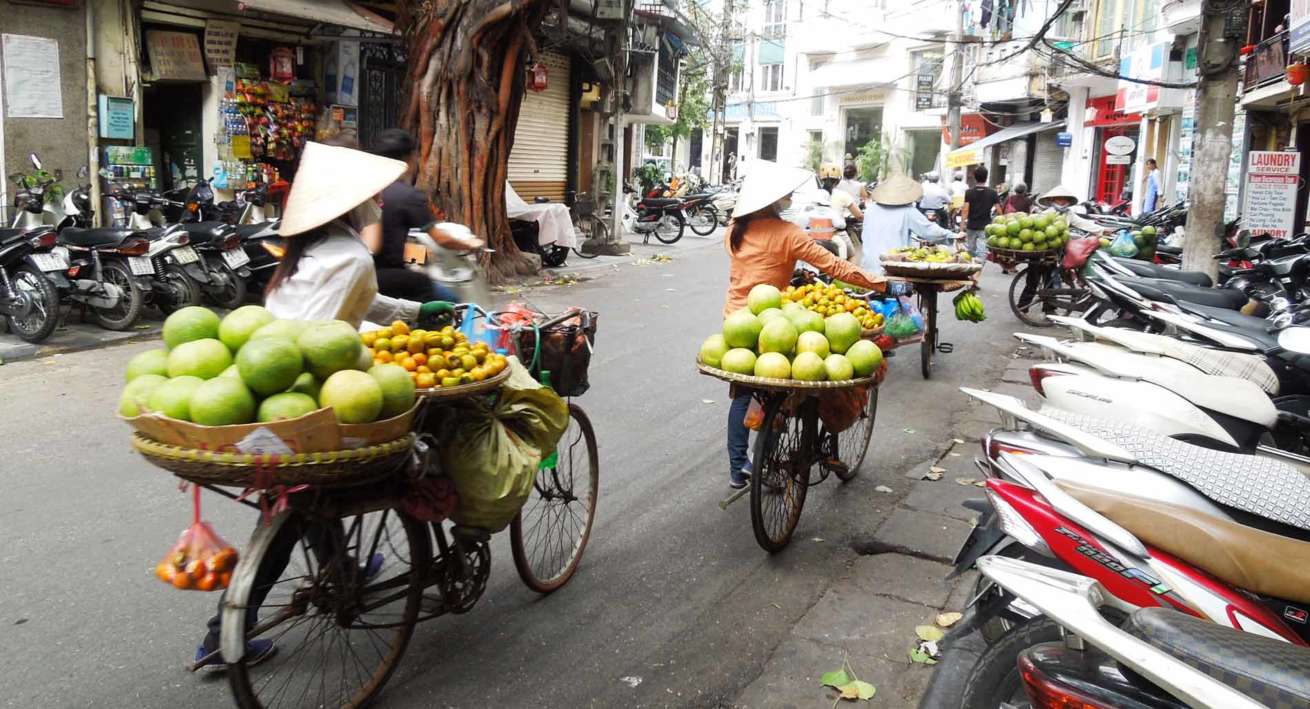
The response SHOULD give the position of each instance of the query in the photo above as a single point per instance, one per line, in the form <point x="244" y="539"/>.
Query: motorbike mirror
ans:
<point x="82" y="172"/>
<point x="36" y="162"/>
<point x="1295" y="339"/>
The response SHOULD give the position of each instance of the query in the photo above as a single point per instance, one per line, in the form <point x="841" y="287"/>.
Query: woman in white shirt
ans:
<point x="892" y="218"/>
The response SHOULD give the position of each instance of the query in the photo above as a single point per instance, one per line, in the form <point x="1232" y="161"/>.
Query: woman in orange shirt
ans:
<point x="764" y="248"/>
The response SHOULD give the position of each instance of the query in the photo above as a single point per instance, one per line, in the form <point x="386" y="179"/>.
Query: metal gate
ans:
<point x="383" y="74"/>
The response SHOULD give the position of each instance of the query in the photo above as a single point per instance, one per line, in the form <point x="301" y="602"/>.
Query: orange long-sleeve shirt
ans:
<point x="768" y="254"/>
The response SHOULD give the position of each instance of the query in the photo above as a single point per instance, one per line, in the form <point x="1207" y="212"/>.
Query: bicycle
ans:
<point x="1056" y="290"/>
<point x="587" y="223"/>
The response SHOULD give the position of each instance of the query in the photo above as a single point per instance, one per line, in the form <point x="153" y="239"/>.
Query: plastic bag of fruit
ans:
<point x="200" y="560"/>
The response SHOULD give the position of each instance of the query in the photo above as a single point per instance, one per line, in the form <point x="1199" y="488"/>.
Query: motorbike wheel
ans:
<point x="670" y="228"/>
<point x="725" y="216"/>
<point x="995" y="680"/>
<point x="553" y="255"/>
<point x="703" y="219"/>
<point x="229" y="290"/>
<point x="128" y="309"/>
<point x="44" y="301"/>
<point x="182" y="290"/>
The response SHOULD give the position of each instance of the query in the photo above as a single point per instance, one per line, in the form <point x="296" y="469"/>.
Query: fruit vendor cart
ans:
<point x="357" y="545"/>
<point x="805" y="424"/>
<point x="927" y="281"/>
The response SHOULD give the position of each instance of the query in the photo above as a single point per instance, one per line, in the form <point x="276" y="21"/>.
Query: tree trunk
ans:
<point x="466" y="60"/>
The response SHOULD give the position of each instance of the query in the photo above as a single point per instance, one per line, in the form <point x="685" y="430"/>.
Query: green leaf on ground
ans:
<point x="921" y="657"/>
<point x="929" y="633"/>
<point x="835" y="679"/>
<point x="857" y="690"/>
<point x="948" y="619"/>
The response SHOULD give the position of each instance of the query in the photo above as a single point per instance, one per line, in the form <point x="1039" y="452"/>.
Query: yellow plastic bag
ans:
<point x="492" y="450"/>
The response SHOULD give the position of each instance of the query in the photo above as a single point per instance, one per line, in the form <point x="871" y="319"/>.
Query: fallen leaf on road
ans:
<point x="847" y="684"/>
<point x="948" y="619"/>
<point x="819" y="539"/>
<point x="980" y="483"/>
<point x="958" y="441"/>
<point x="965" y="481"/>
<point x="921" y="657"/>
<point x="857" y="690"/>
<point x="707" y="401"/>
<point x="908" y="430"/>
<point x="630" y="681"/>
<point x="929" y="633"/>
<point x="882" y="488"/>
<point x="835" y="679"/>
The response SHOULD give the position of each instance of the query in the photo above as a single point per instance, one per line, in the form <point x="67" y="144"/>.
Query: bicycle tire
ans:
<point x="858" y="437"/>
<point x="326" y="564"/>
<point x="1024" y="313"/>
<point x="928" y="348"/>
<point x="552" y="579"/>
<point x="784" y="455"/>
<point x="682" y="227"/>
<point x="711" y="219"/>
<point x="596" y="229"/>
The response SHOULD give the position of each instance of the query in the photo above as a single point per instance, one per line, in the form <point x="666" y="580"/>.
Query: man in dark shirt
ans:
<point x="405" y="208"/>
<point x="979" y="201"/>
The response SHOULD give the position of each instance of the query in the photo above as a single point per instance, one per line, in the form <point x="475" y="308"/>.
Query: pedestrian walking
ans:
<point x="893" y="218"/>
<point x="1019" y="200"/>
<point x="980" y="201"/>
<point x="1151" y="199"/>
<point x="764" y="248"/>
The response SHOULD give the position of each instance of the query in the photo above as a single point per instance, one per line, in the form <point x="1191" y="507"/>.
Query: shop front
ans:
<point x="1114" y="148"/>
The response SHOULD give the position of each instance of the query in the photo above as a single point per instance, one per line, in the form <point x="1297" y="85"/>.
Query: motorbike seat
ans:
<point x="660" y="202"/>
<point x="1245" y="325"/>
<point x="1176" y="291"/>
<point x="1163" y="248"/>
<point x="201" y="233"/>
<point x="1255" y="485"/>
<point x="1247" y="557"/>
<point x="1271" y="672"/>
<point x="11" y="235"/>
<point x="247" y="231"/>
<point x="87" y="238"/>
<point x="1150" y="270"/>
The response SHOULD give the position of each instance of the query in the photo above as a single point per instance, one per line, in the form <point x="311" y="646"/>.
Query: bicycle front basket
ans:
<point x="564" y="350"/>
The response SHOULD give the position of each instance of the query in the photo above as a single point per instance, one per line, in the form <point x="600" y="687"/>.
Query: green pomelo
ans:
<point x="789" y="307"/>
<point x="1026" y="222"/>
<point x="222" y="402"/>
<point x="287" y="405"/>
<point x="306" y="384"/>
<point x="865" y="357"/>
<point x="842" y="331"/>
<point x="808" y="367"/>
<point x="329" y="348"/>
<point x="762" y="297"/>
<point x="778" y="336"/>
<point x="199" y="358"/>
<point x="240" y="324"/>
<point x="839" y="367"/>
<point x="738" y="361"/>
<point x="148" y="362"/>
<point x="270" y="364"/>
<point x="173" y="397"/>
<point x="136" y="395"/>
<point x="1052" y="231"/>
<point x="1013" y="227"/>
<point x="768" y="314"/>
<point x="188" y="324"/>
<point x="815" y="342"/>
<point x="290" y="329"/>
<point x="806" y="320"/>
<point x="713" y="349"/>
<point x="397" y="388"/>
<point x="773" y="365"/>
<point x="353" y="395"/>
<point x="232" y="372"/>
<point x="742" y="329"/>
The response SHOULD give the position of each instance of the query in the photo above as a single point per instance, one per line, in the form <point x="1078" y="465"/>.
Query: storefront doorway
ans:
<point x="1113" y="172"/>
<point x="172" y="128"/>
<point x="926" y="145"/>
<point x="729" y="154"/>
<point x="862" y="125"/>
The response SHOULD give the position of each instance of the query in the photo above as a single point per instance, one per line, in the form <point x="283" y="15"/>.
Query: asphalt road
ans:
<point x="675" y="604"/>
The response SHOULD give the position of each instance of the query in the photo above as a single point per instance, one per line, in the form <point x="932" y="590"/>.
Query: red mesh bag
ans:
<point x="200" y="560"/>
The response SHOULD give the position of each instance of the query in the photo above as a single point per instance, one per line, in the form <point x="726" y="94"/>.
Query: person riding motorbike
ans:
<point x="846" y="212"/>
<point x="325" y="274"/>
<point x="764" y="248"/>
<point x="935" y="198"/>
<point x="851" y="185"/>
<point x="892" y="218"/>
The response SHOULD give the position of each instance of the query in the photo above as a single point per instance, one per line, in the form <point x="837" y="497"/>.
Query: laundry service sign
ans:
<point x="1270" y="204"/>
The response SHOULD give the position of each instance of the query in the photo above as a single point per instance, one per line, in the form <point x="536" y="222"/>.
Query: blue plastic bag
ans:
<point x="1123" y="245"/>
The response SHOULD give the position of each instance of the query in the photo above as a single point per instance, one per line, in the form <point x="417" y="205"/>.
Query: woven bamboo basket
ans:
<point x="917" y="269"/>
<point x="778" y="384"/>
<point x="463" y="391"/>
<point x="343" y="468"/>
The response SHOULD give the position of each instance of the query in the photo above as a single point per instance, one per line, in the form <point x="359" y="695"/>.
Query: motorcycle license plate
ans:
<point x="236" y="258"/>
<point x="140" y="265"/>
<point x="50" y="261"/>
<point x="185" y="255"/>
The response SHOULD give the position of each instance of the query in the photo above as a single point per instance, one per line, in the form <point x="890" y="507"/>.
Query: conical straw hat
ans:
<point x="332" y="181"/>
<point x="896" y="191"/>
<point x="1058" y="192"/>
<point x="766" y="183"/>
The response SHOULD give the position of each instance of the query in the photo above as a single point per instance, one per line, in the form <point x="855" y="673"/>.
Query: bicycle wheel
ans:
<point x="1050" y="297"/>
<point x="591" y="227"/>
<point x="670" y="228"/>
<point x="928" y="348"/>
<point x="549" y="534"/>
<point x="341" y="619"/>
<point x="703" y="219"/>
<point x="853" y="443"/>
<point x="784" y="454"/>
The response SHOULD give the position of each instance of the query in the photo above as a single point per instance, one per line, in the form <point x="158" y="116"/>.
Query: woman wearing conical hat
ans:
<point x="893" y="218"/>
<point x="327" y="272"/>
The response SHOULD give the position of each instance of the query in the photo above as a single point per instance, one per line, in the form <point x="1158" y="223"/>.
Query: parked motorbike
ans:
<point x="109" y="272"/>
<point x="222" y="258"/>
<point x="461" y="273"/>
<point x="178" y="275"/>
<point x="662" y="217"/>
<point x="29" y="271"/>
<point x="702" y="215"/>
<point x="37" y="199"/>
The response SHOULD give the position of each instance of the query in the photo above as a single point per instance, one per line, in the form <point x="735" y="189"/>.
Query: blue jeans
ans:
<point x="441" y="292"/>
<point x="738" y="435"/>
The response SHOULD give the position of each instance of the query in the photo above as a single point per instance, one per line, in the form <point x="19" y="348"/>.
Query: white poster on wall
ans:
<point x="31" y="77"/>
<point x="1269" y="206"/>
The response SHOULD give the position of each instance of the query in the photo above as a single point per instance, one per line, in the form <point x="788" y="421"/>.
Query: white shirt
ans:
<point x="850" y="187"/>
<point x="934" y="196"/>
<point x="335" y="280"/>
<point x="887" y="228"/>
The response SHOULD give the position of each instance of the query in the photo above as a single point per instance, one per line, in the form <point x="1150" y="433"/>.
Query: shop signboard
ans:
<point x="31" y="78"/>
<point x="117" y="118"/>
<point x="1120" y="145"/>
<point x="175" y="55"/>
<point x="221" y="42"/>
<point x="1234" y="184"/>
<point x="1064" y="139"/>
<point x="1298" y="32"/>
<point x="1150" y="63"/>
<point x="923" y="91"/>
<point x="1269" y="205"/>
<point x="1101" y="112"/>
<point x="973" y="127"/>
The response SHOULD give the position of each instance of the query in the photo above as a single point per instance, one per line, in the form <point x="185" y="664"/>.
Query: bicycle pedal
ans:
<point x="945" y="347"/>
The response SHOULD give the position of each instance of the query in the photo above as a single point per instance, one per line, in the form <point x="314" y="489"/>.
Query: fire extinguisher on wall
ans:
<point x="538" y="76"/>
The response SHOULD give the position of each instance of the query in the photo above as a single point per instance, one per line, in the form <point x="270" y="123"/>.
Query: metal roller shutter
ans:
<point x="538" y="162"/>
<point x="1048" y="163"/>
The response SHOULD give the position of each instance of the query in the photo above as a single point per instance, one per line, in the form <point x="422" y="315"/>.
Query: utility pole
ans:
<point x="955" y="98"/>
<point x="616" y="245"/>
<point x="1216" y="94"/>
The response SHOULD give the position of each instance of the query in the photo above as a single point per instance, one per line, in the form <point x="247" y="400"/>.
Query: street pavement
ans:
<point x="675" y="604"/>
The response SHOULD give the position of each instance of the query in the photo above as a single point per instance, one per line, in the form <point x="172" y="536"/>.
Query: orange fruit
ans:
<point x="422" y="369"/>
<point x="196" y="569"/>
<point x="425" y="380"/>
<point x="399" y="343"/>
<point x="384" y="357"/>
<point x="369" y="337"/>
<point x="165" y="571"/>
<point x="442" y="373"/>
<point x="224" y="560"/>
<point x="400" y="328"/>
<point x="224" y="579"/>
<point x="419" y="358"/>
<point x="408" y="364"/>
<point x="208" y="582"/>
<point x="414" y="346"/>
<point x="181" y="581"/>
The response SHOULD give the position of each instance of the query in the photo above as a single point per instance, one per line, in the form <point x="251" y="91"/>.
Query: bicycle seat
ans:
<point x="660" y="202"/>
<point x="1150" y="270"/>
<point x="90" y="238"/>
<point x="1272" y="672"/>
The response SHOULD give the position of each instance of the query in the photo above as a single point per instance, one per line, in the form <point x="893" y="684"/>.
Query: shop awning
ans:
<point x="332" y="12"/>
<point x="972" y="154"/>
<point x="859" y="73"/>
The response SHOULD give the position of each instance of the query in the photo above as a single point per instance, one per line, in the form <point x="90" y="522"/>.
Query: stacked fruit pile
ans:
<point x="251" y="367"/>
<point x="828" y="300"/>
<point x="434" y="358"/>
<point x="1019" y="231"/>
<point x="927" y="254"/>
<point x="1144" y="241"/>
<point x="787" y="341"/>
<point x="969" y="307"/>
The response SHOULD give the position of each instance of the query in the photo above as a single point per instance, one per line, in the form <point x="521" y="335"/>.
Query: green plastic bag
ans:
<point x="492" y="450"/>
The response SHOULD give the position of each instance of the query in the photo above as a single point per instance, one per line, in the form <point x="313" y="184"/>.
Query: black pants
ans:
<point x="1037" y="274"/>
<point x="405" y="283"/>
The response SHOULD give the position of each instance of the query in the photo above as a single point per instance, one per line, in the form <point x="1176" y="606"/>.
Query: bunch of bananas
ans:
<point x="969" y="307"/>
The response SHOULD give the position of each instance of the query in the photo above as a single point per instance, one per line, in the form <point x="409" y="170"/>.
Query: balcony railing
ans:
<point x="1268" y="63"/>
